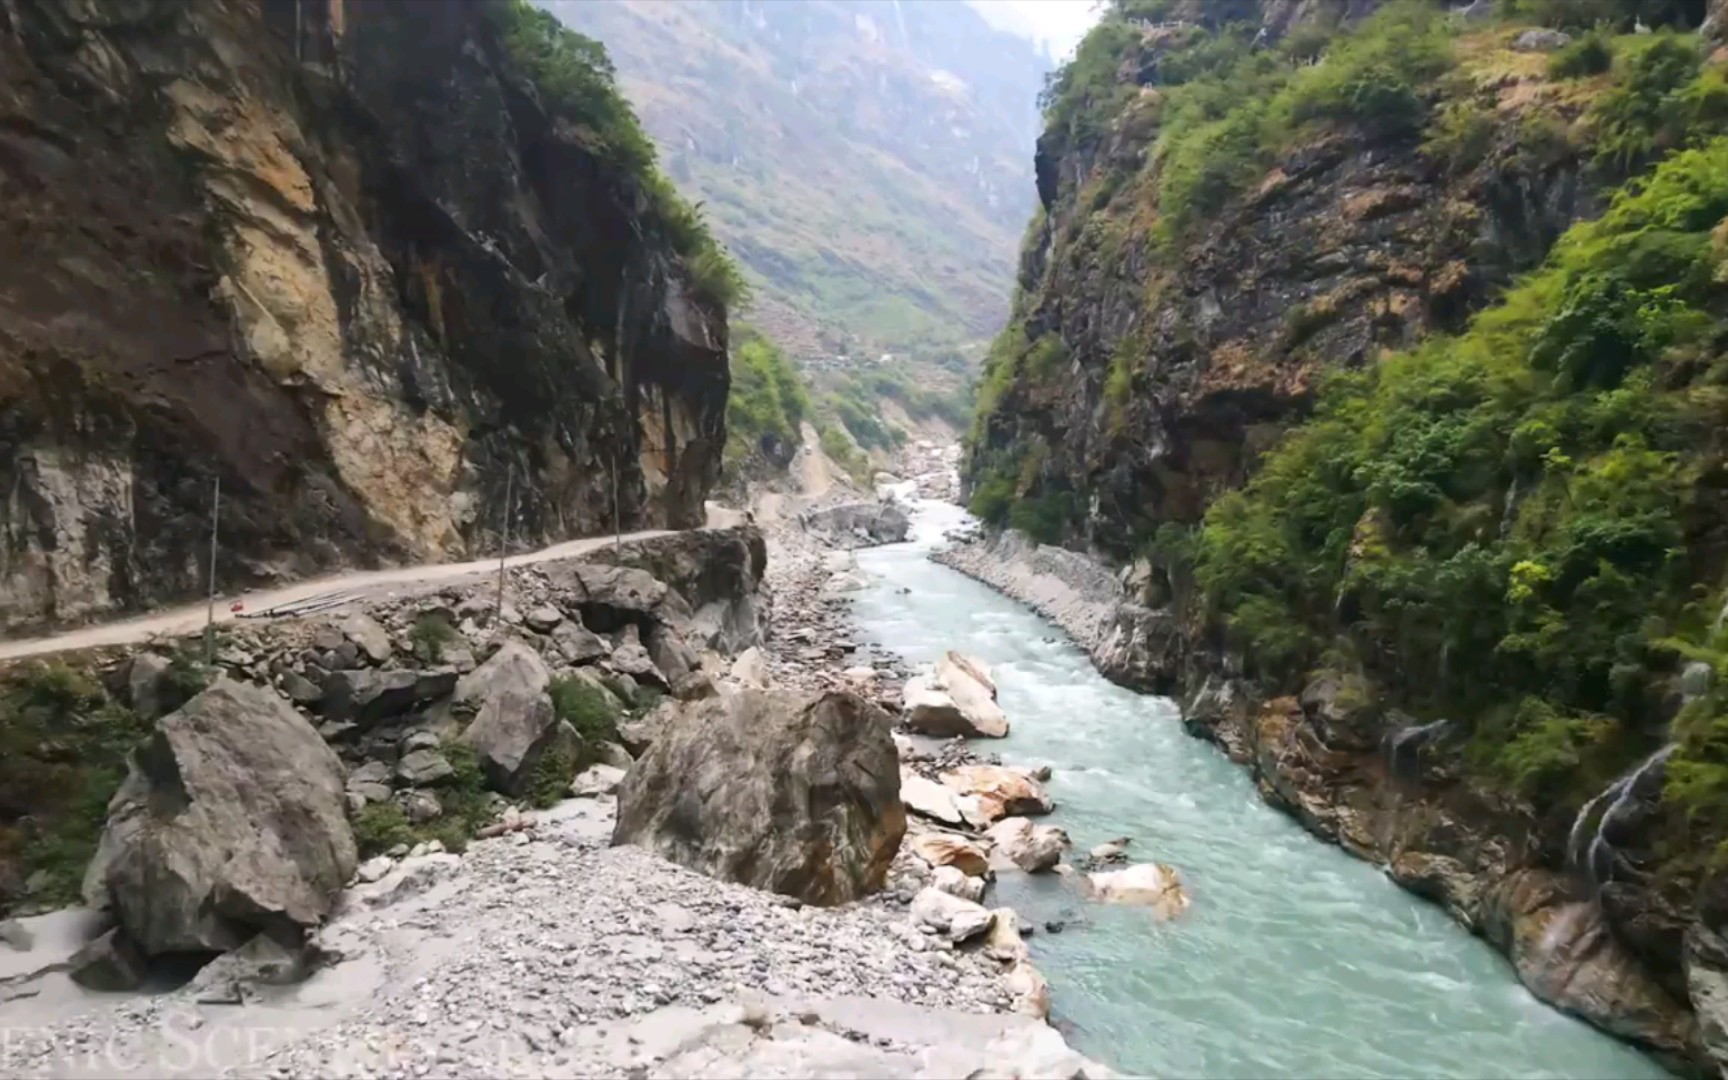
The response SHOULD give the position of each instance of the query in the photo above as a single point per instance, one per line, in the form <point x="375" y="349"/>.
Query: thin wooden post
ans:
<point x="210" y="610"/>
<point x="504" y="549"/>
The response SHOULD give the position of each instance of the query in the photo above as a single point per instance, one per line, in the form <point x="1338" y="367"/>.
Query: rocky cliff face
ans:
<point x="1146" y="370"/>
<point x="344" y="258"/>
<point x="1318" y="282"/>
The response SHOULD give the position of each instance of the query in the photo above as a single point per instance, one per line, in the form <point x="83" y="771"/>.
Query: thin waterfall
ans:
<point x="900" y="18"/>
<point x="1592" y="859"/>
<point x="1403" y="744"/>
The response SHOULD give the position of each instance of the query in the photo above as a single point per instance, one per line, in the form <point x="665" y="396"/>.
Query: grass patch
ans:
<point x="63" y="748"/>
<point x="466" y="804"/>
<point x="588" y="709"/>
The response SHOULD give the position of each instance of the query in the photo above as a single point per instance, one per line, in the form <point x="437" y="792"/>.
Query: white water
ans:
<point x="1295" y="959"/>
<point x="1594" y="859"/>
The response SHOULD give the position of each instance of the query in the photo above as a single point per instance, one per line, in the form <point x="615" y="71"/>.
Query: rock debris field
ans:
<point x="546" y="953"/>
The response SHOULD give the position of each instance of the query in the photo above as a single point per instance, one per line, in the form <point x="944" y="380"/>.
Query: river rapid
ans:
<point x="1295" y="960"/>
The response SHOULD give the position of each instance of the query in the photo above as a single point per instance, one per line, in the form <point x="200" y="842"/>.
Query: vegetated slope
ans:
<point x="373" y="266"/>
<point x="1452" y="303"/>
<point x="861" y="416"/>
<point x="867" y="161"/>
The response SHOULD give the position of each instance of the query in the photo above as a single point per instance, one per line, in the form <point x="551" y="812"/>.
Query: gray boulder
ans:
<point x="543" y="618"/>
<point x="577" y="644"/>
<point x="301" y="690"/>
<point x="370" y="638"/>
<point x="514" y="665"/>
<point x="1542" y="39"/>
<point x="419" y="768"/>
<point x="869" y="522"/>
<point x="367" y="696"/>
<point x="262" y="961"/>
<point x="638" y="733"/>
<point x="144" y="683"/>
<point x="796" y="795"/>
<point x="515" y="724"/>
<point x="630" y="657"/>
<point x="672" y="656"/>
<point x="608" y="596"/>
<point x="231" y="821"/>
<point x="111" y="962"/>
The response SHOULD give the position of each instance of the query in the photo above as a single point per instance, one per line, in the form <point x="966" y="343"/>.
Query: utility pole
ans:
<point x="210" y="611"/>
<point x="504" y="549"/>
<point x="617" y="512"/>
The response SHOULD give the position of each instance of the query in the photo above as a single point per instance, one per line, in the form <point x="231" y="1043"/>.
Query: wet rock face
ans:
<point x="360" y="287"/>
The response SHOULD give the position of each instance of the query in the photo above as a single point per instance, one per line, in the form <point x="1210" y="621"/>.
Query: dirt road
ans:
<point x="190" y="618"/>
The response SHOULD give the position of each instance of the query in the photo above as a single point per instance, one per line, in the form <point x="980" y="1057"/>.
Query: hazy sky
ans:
<point x="1056" y="24"/>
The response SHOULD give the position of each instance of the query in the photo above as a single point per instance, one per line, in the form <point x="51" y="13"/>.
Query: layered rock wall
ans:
<point x="345" y="259"/>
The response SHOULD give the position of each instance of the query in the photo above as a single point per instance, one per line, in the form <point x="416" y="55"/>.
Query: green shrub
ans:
<point x="767" y="402"/>
<point x="588" y="709"/>
<point x="1045" y="359"/>
<point x="1377" y="75"/>
<point x="549" y="782"/>
<point x="1498" y="523"/>
<point x="1648" y="110"/>
<point x="1461" y="134"/>
<point x="1044" y="516"/>
<point x="64" y="745"/>
<point x="431" y="635"/>
<point x="1589" y="55"/>
<point x="381" y="826"/>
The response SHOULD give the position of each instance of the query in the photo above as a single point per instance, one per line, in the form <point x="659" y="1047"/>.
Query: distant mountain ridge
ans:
<point x="868" y="161"/>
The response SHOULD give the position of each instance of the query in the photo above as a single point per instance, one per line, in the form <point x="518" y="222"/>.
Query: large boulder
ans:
<point x="514" y="724"/>
<point x="958" y="699"/>
<point x="793" y="794"/>
<point x="1152" y="885"/>
<point x="935" y="801"/>
<point x="1030" y="847"/>
<point x="514" y="665"/>
<point x="231" y="821"/>
<point x="989" y="793"/>
<point x="859" y="522"/>
<point x="366" y="696"/>
<point x="946" y="849"/>
<point x="954" y="917"/>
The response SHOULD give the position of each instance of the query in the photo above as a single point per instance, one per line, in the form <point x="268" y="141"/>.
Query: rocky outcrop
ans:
<point x="348" y="260"/>
<point x="800" y="796"/>
<point x="460" y="700"/>
<point x="718" y="573"/>
<point x="231" y="822"/>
